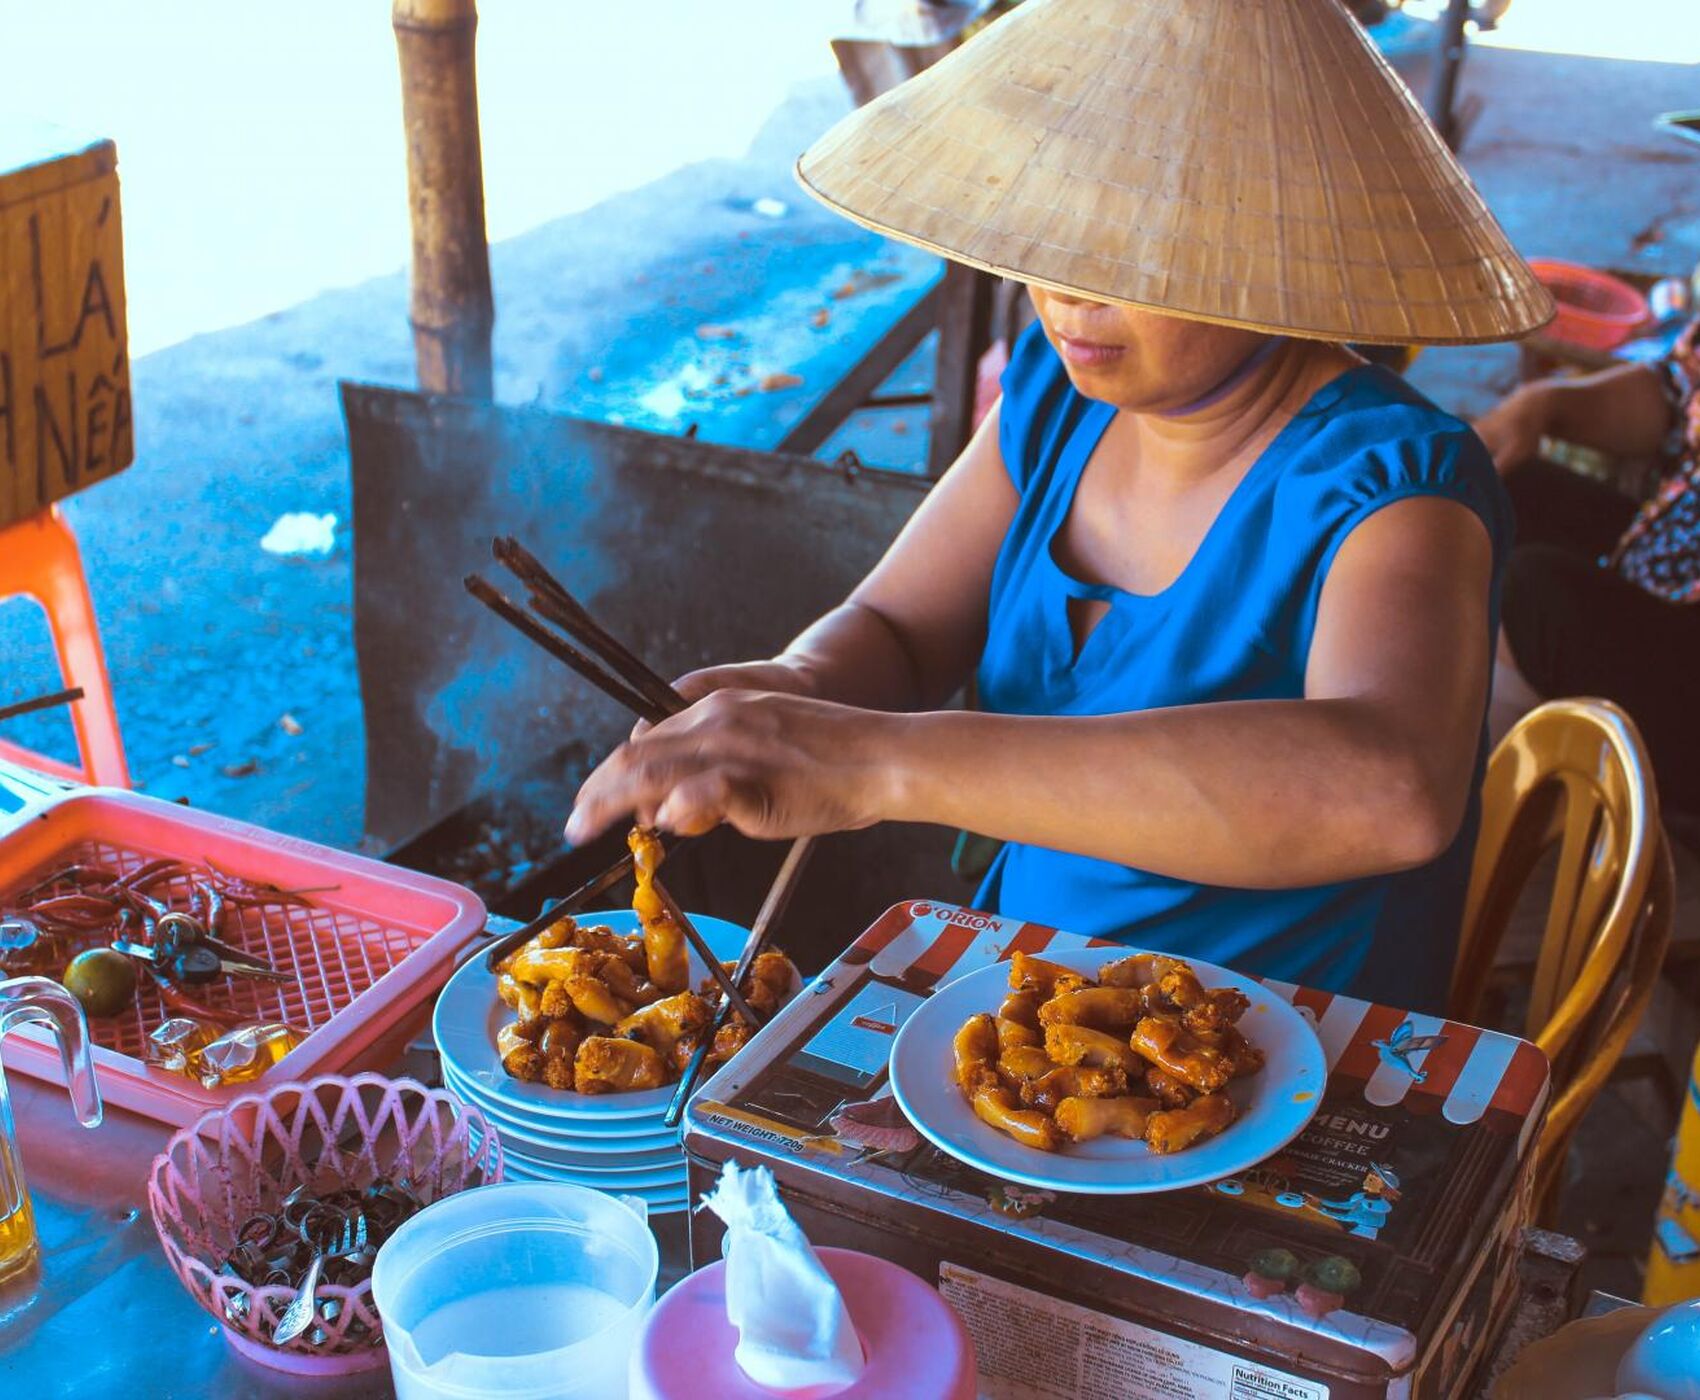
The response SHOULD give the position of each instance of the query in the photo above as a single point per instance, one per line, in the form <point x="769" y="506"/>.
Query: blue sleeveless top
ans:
<point x="1235" y="625"/>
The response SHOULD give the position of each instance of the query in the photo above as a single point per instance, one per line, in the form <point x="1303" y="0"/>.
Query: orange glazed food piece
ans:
<point x="1175" y="1129"/>
<point x="601" y="1012"/>
<point x="1143" y="1052"/>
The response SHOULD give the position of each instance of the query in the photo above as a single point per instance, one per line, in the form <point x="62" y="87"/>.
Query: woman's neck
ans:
<point x="1191" y="445"/>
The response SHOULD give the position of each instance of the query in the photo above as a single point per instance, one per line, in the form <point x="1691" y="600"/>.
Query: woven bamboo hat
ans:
<point x="1250" y="162"/>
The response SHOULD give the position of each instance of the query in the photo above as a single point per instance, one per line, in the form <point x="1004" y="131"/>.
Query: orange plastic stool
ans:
<point x="39" y="559"/>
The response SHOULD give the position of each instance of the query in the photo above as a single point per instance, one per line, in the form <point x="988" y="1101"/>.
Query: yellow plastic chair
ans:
<point x="1572" y="774"/>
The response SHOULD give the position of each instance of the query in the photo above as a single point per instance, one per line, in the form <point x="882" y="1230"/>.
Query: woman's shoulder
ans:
<point x="1371" y="438"/>
<point x="1373" y="409"/>
<point x="1040" y="410"/>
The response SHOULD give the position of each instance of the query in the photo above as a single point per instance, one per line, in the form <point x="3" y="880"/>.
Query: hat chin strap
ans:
<point x="1236" y="377"/>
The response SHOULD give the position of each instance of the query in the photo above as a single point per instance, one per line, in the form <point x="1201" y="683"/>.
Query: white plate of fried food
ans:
<point x="578" y="1026"/>
<point x="1107" y="1072"/>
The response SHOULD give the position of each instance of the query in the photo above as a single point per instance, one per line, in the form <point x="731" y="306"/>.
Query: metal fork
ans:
<point x="303" y="1307"/>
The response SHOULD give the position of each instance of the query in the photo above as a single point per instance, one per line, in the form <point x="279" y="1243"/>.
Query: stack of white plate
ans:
<point x="610" y="1142"/>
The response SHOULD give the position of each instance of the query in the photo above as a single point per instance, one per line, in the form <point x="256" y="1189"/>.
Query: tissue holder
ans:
<point x="913" y="1342"/>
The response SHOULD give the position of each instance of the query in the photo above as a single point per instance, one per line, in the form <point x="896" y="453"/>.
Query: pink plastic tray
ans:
<point x="368" y="956"/>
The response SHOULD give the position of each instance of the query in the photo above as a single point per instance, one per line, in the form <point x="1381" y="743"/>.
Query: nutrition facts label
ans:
<point x="1031" y="1347"/>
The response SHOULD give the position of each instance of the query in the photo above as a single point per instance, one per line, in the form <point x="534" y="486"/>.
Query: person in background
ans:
<point x="1602" y="596"/>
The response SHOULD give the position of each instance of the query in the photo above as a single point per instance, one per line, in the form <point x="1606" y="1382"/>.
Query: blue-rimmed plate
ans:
<point x="662" y="1201"/>
<point x="632" y="1138"/>
<point x="615" y="1177"/>
<point x="469" y="1013"/>
<point x="1274" y="1104"/>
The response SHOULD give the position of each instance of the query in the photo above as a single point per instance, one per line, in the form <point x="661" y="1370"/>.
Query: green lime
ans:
<point x="1275" y="1263"/>
<point x="103" y="980"/>
<point x="1334" y="1274"/>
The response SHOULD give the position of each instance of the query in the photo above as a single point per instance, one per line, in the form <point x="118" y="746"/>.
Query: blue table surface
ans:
<point x="104" y="1315"/>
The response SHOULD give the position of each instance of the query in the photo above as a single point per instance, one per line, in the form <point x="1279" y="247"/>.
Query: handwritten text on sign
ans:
<point x="65" y="415"/>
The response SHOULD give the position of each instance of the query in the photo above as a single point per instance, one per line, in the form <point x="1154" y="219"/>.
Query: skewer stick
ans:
<point x="778" y="899"/>
<point x="728" y="983"/>
<point x="567" y="904"/>
<point x="772" y="911"/>
<point x="41" y="702"/>
<point x="563" y="652"/>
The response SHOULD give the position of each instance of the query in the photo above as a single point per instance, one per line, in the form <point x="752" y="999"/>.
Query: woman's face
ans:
<point x="1139" y="360"/>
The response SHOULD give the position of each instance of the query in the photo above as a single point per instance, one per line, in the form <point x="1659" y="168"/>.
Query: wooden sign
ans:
<point x="65" y="414"/>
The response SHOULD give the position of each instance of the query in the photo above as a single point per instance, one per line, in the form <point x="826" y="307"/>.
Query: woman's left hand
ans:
<point x="771" y="765"/>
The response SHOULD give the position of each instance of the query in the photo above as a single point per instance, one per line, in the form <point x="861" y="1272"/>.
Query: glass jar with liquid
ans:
<point x="38" y="1001"/>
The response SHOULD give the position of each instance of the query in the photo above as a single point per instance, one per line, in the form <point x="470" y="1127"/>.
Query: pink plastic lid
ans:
<point x="917" y="1347"/>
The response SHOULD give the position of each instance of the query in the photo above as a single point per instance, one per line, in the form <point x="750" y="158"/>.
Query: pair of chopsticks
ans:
<point x="634" y="685"/>
<point x="620" y="674"/>
<point x="41" y="702"/>
<point x="631" y="683"/>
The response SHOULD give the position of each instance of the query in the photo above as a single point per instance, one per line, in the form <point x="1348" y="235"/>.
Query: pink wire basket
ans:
<point x="326" y="1134"/>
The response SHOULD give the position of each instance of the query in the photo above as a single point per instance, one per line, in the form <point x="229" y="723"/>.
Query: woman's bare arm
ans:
<point x="1621" y="411"/>
<point x="1369" y="773"/>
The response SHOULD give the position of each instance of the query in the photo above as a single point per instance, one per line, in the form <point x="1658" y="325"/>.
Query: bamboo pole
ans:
<point x="451" y="309"/>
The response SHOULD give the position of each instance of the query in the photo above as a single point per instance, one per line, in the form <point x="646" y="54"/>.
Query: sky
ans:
<point x="1660" y="31"/>
<point x="261" y="152"/>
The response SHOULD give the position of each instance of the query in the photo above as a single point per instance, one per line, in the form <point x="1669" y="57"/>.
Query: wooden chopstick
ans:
<point x="728" y="984"/>
<point x="563" y="652"/>
<point x="772" y="910"/>
<point x="550" y="597"/>
<point x="581" y="628"/>
<point x="41" y="702"/>
<point x="567" y="904"/>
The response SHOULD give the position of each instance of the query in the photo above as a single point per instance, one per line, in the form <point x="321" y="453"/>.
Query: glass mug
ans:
<point x="26" y="1000"/>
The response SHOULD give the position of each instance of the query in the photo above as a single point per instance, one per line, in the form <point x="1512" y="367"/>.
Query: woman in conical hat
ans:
<point x="1228" y="593"/>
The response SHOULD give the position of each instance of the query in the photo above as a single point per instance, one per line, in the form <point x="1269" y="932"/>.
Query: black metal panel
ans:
<point x="691" y="552"/>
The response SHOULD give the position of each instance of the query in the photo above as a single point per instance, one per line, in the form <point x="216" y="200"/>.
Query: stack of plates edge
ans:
<point x="616" y="1143"/>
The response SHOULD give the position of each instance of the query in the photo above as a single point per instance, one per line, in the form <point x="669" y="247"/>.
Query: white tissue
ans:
<point x="794" y="1331"/>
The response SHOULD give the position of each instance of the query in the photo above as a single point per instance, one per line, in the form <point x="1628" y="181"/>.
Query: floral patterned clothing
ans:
<point x="1660" y="551"/>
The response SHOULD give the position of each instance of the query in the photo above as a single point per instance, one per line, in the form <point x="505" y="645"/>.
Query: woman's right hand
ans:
<point x="1513" y="428"/>
<point x="780" y="677"/>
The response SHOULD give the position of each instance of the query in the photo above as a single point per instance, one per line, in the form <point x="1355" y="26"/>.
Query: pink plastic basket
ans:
<point x="367" y="957"/>
<point x="248" y="1157"/>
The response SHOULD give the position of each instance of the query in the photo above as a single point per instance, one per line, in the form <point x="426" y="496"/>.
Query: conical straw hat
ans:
<point x="1249" y="162"/>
